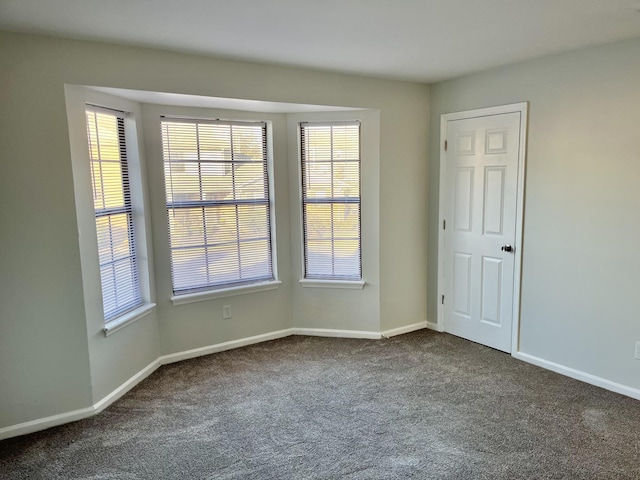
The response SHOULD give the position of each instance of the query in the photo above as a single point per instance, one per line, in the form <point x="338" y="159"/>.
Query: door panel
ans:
<point x="491" y="290"/>
<point x="462" y="284"/>
<point x="464" y="199"/>
<point x="494" y="200"/>
<point x="481" y="195"/>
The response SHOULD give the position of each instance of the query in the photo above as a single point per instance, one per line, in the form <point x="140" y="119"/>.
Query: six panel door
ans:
<point x="480" y="212"/>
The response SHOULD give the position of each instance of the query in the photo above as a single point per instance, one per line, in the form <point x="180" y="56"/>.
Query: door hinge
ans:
<point x="442" y="300"/>
<point x="444" y="224"/>
<point x="446" y="145"/>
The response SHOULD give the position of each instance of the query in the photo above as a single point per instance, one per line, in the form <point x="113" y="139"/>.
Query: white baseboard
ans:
<point x="68" y="417"/>
<point x="579" y="375"/>
<point x="54" y="420"/>
<point x="434" y="326"/>
<point x="221" y="347"/>
<point x="328" y="332"/>
<point x="406" y="329"/>
<point x="126" y="386"/>
<point x="44" y="423"/>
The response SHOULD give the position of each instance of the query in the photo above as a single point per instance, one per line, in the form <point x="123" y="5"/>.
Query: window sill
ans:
<point x="127" y="319"/>
<point x="224" y="292"/>
<point x="346" y="284"/>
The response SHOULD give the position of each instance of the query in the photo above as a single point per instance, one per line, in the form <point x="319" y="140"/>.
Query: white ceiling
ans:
<point x="182" y="100"/>
<point x="422" y="40"/>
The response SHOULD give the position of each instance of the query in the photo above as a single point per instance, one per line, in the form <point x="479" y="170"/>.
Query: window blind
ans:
<point x="218" y="207"/>
<point x="113" y="212"/>
<point x="330" y="154"/>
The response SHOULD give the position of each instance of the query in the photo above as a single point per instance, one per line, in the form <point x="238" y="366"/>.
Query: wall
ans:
<point x="581" y="251"/>
<point x="44" y="356"/>
<point x="44" y="346"/>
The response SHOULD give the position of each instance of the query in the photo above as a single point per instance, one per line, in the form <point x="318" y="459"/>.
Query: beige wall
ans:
<point x="581" y="252"/>
<point x="44" y="343"/>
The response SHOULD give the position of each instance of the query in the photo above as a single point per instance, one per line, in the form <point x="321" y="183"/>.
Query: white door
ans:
<point x="479" y="227"/>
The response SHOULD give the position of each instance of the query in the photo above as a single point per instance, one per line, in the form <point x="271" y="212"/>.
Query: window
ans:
<point x="330" y="154"/>
<point x="113" y="212"/>
<point x="218" y="203"/>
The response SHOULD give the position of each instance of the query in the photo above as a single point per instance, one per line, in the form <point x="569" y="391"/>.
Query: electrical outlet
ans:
<point x="226" y="312"/>
<point x="637" y="355"/>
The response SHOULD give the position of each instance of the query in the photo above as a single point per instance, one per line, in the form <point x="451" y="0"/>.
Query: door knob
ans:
<point x="506" y="248"/>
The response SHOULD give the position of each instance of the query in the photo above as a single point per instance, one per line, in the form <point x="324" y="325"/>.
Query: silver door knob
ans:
<point x="506" y="248"/>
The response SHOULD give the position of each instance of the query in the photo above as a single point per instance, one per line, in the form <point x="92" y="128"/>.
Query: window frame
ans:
<point x="77" y="98"/>
<point x="220" y="290"/>
<point x="335" y="281"/>
<point x="109" y="212"/>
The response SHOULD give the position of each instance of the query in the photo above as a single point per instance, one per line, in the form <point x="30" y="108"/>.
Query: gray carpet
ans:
<point x="422" y="405"/>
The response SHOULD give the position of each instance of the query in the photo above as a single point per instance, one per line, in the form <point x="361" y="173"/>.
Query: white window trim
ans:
<point x="224" y="292"/>
<point x="128" y="318"/>
<point x="77" y="97"/>
<point x="344" y="284"/>
<point x="214" y="292"/>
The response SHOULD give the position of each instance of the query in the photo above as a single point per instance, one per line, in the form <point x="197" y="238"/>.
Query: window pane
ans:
<point x="114" y="237"/>
<point x="250" y="181"/>
<point x="224" y="264"/>
<point x="253" y="222"/>
<point x="111" y="185"/>
<point x="187" y="227"/>
<point x="318" y="224"/>
<point x="346" y="142"/>
<point x="221" y="224"/>
<point x="346" y="221"/>
<point x="187" y="268"/>
<point x="255" y="258"/>
<point x="318" y="177"/>
<point x="319" y="258"/>
<point x="346" y="258"/>
<point x="182" y="182"/>
<point x="346" y="179"/>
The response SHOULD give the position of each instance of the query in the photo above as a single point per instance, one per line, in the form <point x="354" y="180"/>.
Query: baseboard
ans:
<point x="221" y="347"/>
<point x="54" y="420"/>
<point x="67" y="417"/>
<point x="126" y="386"/>
<point x="406" y="329"/>
<point x="580" y="375"/>
<point x="44" y="423"/>
<point x="328" y="332"/>
<point x="434" y="326"/>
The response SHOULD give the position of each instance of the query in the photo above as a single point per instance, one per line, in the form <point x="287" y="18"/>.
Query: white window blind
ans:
<point x="218" y="207"/>
<point x="113" y="212"/>
<point x="330" y="154"/>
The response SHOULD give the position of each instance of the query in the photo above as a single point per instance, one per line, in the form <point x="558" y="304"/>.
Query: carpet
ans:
<point x="423" y="405"/>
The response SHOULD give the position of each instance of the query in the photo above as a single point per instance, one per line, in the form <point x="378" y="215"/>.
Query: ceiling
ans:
<point x="418" y="40"/>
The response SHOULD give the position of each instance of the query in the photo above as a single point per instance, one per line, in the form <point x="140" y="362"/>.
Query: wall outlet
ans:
<point x="226" y="312"/>
<point x="637" y="355"/>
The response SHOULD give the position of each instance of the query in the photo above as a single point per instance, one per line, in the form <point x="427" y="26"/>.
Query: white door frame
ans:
<point x="522" y="108"/>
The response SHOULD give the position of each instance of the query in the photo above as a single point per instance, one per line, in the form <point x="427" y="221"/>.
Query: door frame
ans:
<point x="521" y="108"/>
